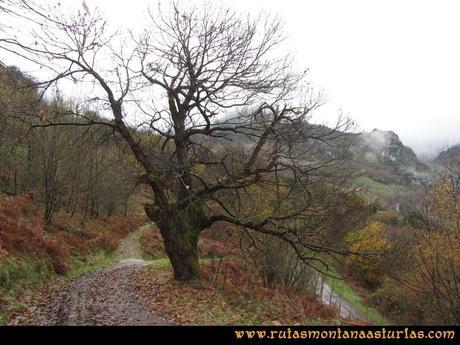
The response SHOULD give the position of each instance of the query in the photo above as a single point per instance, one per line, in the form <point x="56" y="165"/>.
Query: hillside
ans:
<point x="448" y="155"/>
<point x="382" y="156"/>
<point x="379" y="155"/>
<point x="32" y="252"/>
<point x="109" y="272"/>
<point x="173" y="174"/>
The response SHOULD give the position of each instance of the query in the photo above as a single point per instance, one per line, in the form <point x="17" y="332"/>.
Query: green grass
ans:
<point x="81" y="265"/>
<point x="161" y="263"/>
<point x="377" y="190"/>
<point x="345" y="291"/>
<point x="19" y="275"/>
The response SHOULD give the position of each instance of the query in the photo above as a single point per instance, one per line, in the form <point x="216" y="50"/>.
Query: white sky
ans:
<point x="388" y="64"/>
<point x="393" y="65"/>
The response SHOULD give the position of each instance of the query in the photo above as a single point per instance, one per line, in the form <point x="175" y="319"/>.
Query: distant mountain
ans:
<point x="449" y="155"/>
<point x="378" y="154"/>
<point x="382" y="156"/>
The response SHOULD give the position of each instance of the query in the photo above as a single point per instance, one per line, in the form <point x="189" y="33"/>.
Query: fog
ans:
<point x="392" y="65"/>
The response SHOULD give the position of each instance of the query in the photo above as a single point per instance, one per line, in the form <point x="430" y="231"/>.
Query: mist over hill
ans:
<point x="378" y="154"/>
<point x="446" y="156"/>
<point x="382" y="156"/>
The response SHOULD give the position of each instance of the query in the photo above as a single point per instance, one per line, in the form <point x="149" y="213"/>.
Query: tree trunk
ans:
<point x="180" y="231"/>
<point x="181" y="245"/>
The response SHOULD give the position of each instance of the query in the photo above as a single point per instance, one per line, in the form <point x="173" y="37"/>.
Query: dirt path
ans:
<point x="99" y="297"/>
<point x="107" y="296"/>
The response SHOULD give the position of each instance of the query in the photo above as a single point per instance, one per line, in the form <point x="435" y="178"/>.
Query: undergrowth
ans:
<point x="32" y="252"/>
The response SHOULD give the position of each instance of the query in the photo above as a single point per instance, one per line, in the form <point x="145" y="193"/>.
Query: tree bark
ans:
<point x="180" y="231"/>
<point x="181" y="245"/>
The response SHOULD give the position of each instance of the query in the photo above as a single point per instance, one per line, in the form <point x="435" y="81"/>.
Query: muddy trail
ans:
<point x="99" y="297"/>
<point x="107" y="296"/>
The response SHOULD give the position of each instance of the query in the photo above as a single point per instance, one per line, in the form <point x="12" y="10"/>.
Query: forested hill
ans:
<point x="452" y="153"/>
<point x="249" y="219"/>
<point x="70" y="167"/>
<point x="382" y="156"/>
<point x="379" y="154"/>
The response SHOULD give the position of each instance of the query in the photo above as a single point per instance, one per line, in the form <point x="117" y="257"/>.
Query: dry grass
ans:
<point x="24" y="233"/>
<point x="152" y="243"/>
<point x="232" y="293"/>
<point x="240" y="300"/>
<point x="244" y="288"/>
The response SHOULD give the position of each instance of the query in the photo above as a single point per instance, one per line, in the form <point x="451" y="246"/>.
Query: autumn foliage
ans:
<point x="23" y="232"/>
<point x="370" y="245"/>
<point x="431" y="283"/>
<point x="411" y="266"/>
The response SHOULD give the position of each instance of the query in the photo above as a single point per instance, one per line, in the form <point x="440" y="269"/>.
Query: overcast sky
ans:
<point x="393" y="65"/>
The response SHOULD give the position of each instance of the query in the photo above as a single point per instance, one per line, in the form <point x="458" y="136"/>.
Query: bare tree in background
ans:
<point x="212" y="111"/>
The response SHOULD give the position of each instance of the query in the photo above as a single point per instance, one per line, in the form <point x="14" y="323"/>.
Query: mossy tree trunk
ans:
<point x="180" y="231"/>
<point x="181" y="245"/>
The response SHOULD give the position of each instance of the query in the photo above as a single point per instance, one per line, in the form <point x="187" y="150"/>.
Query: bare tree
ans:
<point x="212" y="111"/>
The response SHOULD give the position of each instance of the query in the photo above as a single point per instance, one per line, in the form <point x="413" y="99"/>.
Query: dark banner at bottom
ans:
<point x="241" y="334"/>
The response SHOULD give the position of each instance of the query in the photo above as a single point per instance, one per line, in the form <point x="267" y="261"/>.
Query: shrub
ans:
<point x="387" y="300"/>
<point x="152" y="243"/>
<point x="21" y="230"/>
<point x="59" y="255"/>
<point x="221" y="239"/>
<point x="108" y="242"/>
<point x="388" y="217"/>
<point x="370" y="244"/>
<point x="279" y="265"/>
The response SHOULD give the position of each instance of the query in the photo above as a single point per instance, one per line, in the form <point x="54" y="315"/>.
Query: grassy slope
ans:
<point x="374" y="191"/>
<point x="20" y="277"/>
<point x="377" y="190"/>
<point x="345" y="291"/>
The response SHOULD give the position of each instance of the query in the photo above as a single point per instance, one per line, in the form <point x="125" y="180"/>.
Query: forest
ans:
<point x="175" y="176"/>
